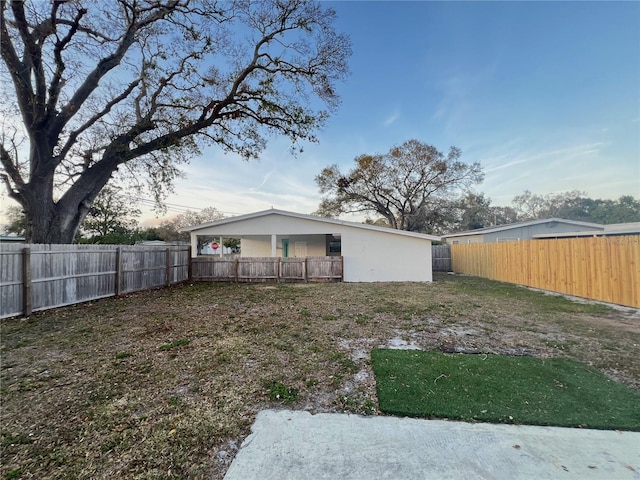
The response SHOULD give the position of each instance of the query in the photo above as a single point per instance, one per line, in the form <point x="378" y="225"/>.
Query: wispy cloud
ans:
<point x="264" y="180"/>
<point x="392" y="118"/>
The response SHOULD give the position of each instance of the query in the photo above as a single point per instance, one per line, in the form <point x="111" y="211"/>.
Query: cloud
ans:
<point x="392" y="118"/>
<point x="264" y="180"/>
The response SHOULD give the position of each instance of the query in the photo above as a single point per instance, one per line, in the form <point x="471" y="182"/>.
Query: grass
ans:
<point x="279" y="391"/>
<point x="502" y="389"/>
<point x="166" y="383"/>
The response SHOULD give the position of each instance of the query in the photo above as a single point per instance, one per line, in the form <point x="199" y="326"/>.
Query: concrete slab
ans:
<point x="297" y="445"/>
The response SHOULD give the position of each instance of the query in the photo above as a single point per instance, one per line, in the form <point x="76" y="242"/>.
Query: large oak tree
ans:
<point x="138" y="86"/>
<point x="406" y="186"/>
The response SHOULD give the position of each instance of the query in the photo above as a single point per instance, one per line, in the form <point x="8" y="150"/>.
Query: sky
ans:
<point x="545" y="95"/>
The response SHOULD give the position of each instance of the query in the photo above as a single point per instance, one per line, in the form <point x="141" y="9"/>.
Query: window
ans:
<point x="334" y="246"/>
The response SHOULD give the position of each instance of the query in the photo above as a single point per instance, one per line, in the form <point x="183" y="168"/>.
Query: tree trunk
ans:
<point x="57" y="222"/>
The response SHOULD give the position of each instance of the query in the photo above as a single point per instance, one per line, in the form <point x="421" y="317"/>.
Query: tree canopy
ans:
<point x="133" y="88"/>
<point x="405" y="185"/>
<point x="111" y="213"/>
<point x="169" y="230"/>
<point x="575" y="205"/>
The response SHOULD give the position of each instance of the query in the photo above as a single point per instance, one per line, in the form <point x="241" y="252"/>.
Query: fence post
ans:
<point x="118" y="270"/>
<point x="235" y="269"/>
<point x="341" y="268"/>
<point x="278" y="270"/>
<point x="304" y="270"/>
<point x="168" y="268"/>
<point x="26" y="281"/>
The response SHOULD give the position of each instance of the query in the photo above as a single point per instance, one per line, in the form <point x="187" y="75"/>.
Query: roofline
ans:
<point x="332" y="221"/>
<point x="601" y="233"/>
<point x="500" y="228"/>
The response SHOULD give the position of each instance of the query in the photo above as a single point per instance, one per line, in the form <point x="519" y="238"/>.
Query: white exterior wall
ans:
<point x="255" y="246"/>
<point x="371" y="256"/>
<point x="316" y="244"/>
<point x="260" y="245"/>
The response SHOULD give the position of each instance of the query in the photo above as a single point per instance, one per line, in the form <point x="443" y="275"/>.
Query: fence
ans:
<point x="265" y="269"/>
<point x="38" y="277"/>
<point x="599" y="268"/>
<point x="441" y="258"/>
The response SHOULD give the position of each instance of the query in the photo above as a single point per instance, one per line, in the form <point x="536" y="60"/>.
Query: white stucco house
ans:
<point x="370" y="253"/>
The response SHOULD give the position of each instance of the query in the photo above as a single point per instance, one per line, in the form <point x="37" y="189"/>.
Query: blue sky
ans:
<point x="545" y="95"/>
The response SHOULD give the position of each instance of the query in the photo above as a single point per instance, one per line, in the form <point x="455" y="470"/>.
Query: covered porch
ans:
<point x="267" y="269"/>
<point x="278" y="245"/>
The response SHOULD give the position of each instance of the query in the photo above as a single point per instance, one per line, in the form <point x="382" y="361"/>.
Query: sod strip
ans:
<point x="502" y="389"/>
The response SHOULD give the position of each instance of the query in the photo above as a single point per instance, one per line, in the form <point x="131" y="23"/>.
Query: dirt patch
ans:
<point x="165" y="384"/>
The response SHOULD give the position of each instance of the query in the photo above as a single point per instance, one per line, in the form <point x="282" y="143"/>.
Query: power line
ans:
<point x="174" y="207"/>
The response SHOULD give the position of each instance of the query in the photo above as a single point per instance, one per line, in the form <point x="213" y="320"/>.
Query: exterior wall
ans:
<point x="255" y="246"/>
<point x="521" y="233"/>
<point x="371" y="256"/>
<point x="260" y="245"/>
<point x="466" y="239"/>
<point x="527" y="233"/>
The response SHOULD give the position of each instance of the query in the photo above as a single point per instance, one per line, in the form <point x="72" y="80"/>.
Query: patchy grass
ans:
<point x="174" y="344"/>
<point x="502" y="389"/>
<point x="87" y="392"/>
<point x="279" y="391"/>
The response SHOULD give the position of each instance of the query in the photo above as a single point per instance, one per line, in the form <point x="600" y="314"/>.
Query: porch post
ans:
<point x="194" y="245"/>
<point x="274" y="244"/>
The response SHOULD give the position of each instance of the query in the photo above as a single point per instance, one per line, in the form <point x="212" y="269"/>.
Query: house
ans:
<point x="523" y="231"/>
<point x="370" y="253"/>
<point x="11" y="239"/>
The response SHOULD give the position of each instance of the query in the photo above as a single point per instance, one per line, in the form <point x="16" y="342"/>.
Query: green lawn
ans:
<point x="502" y="389"/>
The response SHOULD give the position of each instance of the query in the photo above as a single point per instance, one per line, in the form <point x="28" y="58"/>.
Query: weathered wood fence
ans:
<point x="599" y="268"/>
<point x="37" y="277"/>
<point x="268" y="269"/>
<point x="441" y="258"/>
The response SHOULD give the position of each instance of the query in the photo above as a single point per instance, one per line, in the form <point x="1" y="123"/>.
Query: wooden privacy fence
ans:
<point x="599" y="268"/>
<point x="38" y="277"/>
<point x="441" y="258"/>
<point x="267" y="269"/>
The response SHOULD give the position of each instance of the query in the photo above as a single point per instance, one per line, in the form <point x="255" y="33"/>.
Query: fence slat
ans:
<point x="599" y="268"/>
<point x="26" y="281"/>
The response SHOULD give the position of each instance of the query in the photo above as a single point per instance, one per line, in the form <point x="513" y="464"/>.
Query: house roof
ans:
<point x="301" y="216"/>
<point x="510" y="226"/>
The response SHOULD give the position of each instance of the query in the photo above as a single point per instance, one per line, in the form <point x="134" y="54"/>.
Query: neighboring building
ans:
<point x="11" y="239"/>
<point x="524" y="231"/>
<point x="611" y="230"/>
<point x="370" y="253"/>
